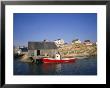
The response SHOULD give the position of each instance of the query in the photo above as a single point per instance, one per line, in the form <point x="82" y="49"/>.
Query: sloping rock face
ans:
<point x="25" y="58"/>
<point x="72" y="50"/>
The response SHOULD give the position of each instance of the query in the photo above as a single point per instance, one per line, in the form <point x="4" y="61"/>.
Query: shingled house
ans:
<point x="43" y="48"/>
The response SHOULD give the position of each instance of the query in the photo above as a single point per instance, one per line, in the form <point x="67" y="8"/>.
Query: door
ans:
<point x="38" y="52"/>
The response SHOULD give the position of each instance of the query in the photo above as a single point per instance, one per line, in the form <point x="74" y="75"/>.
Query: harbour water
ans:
<point x="87" y="66"/>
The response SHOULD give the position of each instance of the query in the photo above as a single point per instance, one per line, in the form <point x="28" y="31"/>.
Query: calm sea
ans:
<point x="87" y="66"/>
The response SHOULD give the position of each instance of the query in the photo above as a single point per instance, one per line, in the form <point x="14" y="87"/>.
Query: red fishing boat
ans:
<point x="52" y="60"/>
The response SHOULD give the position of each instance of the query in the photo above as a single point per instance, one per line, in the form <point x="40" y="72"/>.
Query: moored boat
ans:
<point x="51" y="60"/>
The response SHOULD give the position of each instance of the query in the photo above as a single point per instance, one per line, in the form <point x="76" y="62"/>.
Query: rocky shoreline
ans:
<point x="78" y="50"/>
<point x="25" y="58"/>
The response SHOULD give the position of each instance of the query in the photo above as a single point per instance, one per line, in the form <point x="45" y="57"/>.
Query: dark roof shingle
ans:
<point x="41" y="45"/>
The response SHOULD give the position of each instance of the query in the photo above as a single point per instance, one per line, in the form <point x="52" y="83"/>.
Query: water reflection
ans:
<point x="58" y="68"/>
<point x="80" y="67"/>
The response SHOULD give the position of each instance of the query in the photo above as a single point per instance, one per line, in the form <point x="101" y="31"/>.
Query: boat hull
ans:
<point x="46" y="60"/>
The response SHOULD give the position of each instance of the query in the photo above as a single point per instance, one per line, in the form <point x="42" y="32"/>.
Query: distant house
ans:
<point x="59" y="42"/>
<point x="21" y="50"/>
<point x="42" y="49"/>
<point x="88" y="42"/>
<point x="76" y="41"/>
<point x="17" y="51"/>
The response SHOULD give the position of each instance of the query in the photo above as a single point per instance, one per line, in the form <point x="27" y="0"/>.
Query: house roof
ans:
<point x="24" y="49"/>
<point x="41" y="45"/>
<point x="87" y="41"/>
<point x="75" y="40"/>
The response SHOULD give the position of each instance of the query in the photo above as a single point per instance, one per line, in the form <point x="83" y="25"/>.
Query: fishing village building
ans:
<point x="76" y="41"/>
<point x="21" y="50"/>
<point x="87" y="42"/>
<point x="43" y="48"/>
<point x="59" y="42"/>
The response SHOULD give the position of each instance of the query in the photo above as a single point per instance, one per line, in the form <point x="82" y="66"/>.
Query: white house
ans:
<point x="59" y="42"/>
<point x="20" y="50"/>
<point x="76" y="41"/>
<point x="17" y="51"/>
<point x="88" y="42"/>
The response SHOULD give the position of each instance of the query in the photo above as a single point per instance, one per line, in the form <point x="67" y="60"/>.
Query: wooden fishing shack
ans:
<point x="42" y="49"/>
